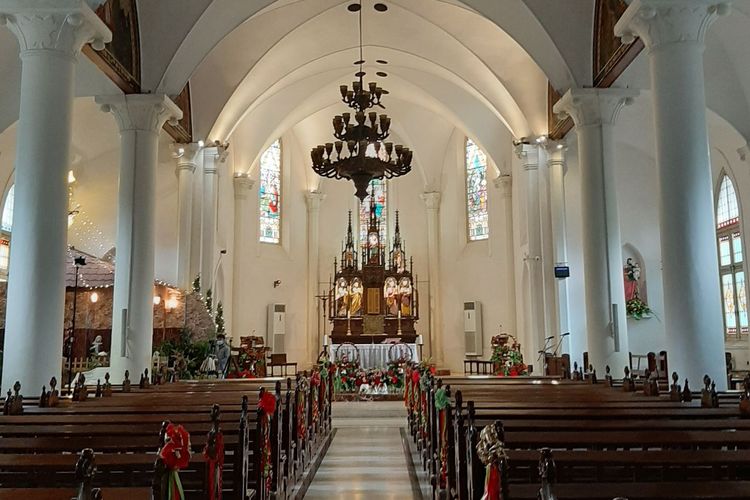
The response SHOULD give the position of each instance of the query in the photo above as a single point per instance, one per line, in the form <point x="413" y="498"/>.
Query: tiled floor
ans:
<point x="366" y="459"/>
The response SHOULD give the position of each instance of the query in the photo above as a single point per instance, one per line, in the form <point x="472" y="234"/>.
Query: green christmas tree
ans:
<point x="209" y="301"/>
<point x="219" y="320"/>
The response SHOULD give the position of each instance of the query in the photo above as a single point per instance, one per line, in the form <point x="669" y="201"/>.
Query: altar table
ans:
<point x="371" y="355"/>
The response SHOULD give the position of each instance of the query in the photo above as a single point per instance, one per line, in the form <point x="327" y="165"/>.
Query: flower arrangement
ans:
<point x="507" y="357"/>
<point x="637" y="309"/>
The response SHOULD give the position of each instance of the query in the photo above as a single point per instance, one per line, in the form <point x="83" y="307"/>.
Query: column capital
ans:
<point x="145" y="112"/>
<point x="314" y="199"/>
<point x="211" y="156"/>
<point x="528" y="154"/>
<point x="504" y="182"/>
<point x="594" y="107"/>
<point x="58" y="26"/>
<point x="662" y="22"/>
<point x="431" y="200"/>
<point x="243" y="184"/>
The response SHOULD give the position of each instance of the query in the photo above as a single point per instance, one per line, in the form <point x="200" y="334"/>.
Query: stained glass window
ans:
<point x="379" y="188"/>
<point x="6" y="224"/>
<point x="270" y="194"/>
<point x="476" y="192"/>
<point x="731" y="268"/>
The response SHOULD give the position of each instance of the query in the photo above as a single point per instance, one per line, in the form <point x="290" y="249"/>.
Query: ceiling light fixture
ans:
<point x="360" y="153"/>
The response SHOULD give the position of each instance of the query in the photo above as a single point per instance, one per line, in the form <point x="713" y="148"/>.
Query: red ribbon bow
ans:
<point x="176" y="451"/>
<point x="267" y="403"/>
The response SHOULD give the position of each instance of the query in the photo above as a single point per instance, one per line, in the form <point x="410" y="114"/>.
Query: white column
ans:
<point x="140" y="118"/>
<point x="314" y="342"/>
<point x="534" y="321"/>
<point x="212" y="156"/>
<point x="50" y="36"/>
<point x="243" y="185"/>
<point x="505" y="184"/>
<point x="557" y="167"/>
<point x="186" y="156"/>
<point x="432" y="202"/>
<point x="673" y="32"/>
<point x="594" y="112"/>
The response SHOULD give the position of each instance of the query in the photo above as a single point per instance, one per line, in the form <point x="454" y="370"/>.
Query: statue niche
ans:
<point x="378" y="298"/>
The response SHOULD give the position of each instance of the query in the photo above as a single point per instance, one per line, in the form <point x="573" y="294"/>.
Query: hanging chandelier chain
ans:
<point x="360" y="152"/>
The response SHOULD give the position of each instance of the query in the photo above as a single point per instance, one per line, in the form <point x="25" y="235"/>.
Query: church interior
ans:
<point x="364" y="249"/>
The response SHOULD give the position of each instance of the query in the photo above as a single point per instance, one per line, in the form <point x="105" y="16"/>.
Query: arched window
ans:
<point x="270" y="194"/>
<point x="476" y="192"/>
<point x="378" y="188"/>
<point x="6" y="224"/>
<point x="731" y="261"/>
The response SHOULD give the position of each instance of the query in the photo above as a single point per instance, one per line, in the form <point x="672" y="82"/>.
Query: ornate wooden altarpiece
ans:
<point x="377" y="299"/>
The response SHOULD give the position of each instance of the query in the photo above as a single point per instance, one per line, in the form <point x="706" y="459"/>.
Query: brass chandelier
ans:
<point x="351" y="155"/>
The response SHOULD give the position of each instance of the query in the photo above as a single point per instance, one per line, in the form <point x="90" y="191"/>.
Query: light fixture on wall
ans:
<point x="94" y="297"/>
<point x="351" y="155"/>
<point x="277" y="283"/>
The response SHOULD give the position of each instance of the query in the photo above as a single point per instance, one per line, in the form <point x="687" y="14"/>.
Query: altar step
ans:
<point x="343" y="410"/>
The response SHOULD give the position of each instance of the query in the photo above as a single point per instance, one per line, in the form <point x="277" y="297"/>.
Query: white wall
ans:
<point x="473" y="271"/>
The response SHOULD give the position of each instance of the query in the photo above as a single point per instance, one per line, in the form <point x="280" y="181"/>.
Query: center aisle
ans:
<point x="366" y="459"/>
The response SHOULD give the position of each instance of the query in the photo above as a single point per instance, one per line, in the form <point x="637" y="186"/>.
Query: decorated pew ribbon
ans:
<point x="215" y="465"/>
<point x="301" y="427"/>
<point x="492" y="483"/>
<point x="176" y="455"/>
<point x="491" y="452"/>
<point x="441" y="405"/>
<point x="267" y="405"/>
<point x="315" y="389"/>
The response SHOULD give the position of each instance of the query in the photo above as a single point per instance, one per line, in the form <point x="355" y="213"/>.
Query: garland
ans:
<point x="215" y="465"/>
<point x="315" y="389"/>
<point x="441" y="404"/>
<point x="267" y="405"/>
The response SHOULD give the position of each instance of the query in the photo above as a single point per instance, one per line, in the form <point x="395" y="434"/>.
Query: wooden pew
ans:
<point x="96" y="421"/>
<point x="594" y="422"/>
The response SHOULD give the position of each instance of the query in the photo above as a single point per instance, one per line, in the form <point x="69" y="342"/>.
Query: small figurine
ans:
<point x="126" y="382"/>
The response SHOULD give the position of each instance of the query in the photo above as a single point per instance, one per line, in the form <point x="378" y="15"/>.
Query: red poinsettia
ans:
<point x="267" y="403"/>
<point x="176" y="450"/>
<point x="315" y="379"/>
<point x="415" y="377"/>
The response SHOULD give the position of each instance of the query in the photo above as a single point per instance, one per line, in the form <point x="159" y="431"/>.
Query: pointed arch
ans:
<point x="731" y="259"/>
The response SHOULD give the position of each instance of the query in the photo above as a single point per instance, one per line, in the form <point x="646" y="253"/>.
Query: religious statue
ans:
<point x="355" y="306"/>
<point x="342" y="298"/>
<point x="96" y="345"/>
<point x="391" y="296"/>
<point x="404" y="291"/>
<point x="348" y="258"/>
<point x="632" y="272"/>
<point x="398" y="261"/>
<point x="373" y="248"/>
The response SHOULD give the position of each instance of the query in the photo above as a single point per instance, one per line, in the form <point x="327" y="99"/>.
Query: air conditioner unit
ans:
<point x="473" y="328"/>
<point x="276" y="328"/>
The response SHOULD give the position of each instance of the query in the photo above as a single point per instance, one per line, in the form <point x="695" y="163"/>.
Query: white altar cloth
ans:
<point x="372" y="355"/>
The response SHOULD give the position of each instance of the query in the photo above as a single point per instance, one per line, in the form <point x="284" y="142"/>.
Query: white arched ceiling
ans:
<point x="487" y="63"/>
<point x="221" y="17"/>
